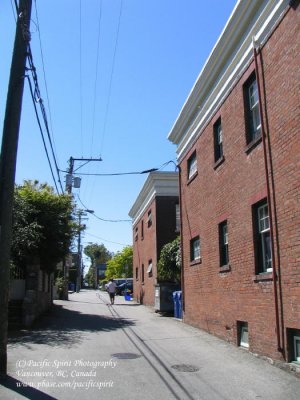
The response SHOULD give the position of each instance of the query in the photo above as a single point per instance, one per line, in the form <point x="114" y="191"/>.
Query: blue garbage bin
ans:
<point x="179" y="297"/>
<point x="71" y="287"/>
<point x="175" y="300"/>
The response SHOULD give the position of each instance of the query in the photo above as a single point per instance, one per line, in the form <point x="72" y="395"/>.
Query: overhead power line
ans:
<point x="44" y="71"/>
<point x="41" y="130"/>
<point x="96" y="75"/>
<point x="147" y="171"/>
<point x="108" y="241"/>
<point x="111" y="79"/>
<point x="102" y="219"/>
<point x="36" y="95"/>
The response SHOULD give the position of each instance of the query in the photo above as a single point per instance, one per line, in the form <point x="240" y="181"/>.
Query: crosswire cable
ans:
<point x="103" y="219"/>
<point x="38" y="99"/>
<point x="105" y="240"/>
<point x="146" y="171"/>
<point x="41" y="130"/>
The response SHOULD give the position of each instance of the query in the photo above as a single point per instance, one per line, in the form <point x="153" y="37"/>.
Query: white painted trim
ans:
<point x="157" y="184"/>
<point x="226" y="63"/>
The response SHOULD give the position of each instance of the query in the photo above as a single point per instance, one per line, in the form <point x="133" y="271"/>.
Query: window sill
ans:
<point x="196" y="262"/>
<point x="263" y="277"/>
<point x="250" y="146"/>
<point x="225" y="268"/>
<point x="219" y="162"/>
<point x="192" y="178"/>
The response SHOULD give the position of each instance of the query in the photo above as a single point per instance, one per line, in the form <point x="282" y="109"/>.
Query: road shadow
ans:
<point x="64" y="327"/>
<point x="16" y="386"/>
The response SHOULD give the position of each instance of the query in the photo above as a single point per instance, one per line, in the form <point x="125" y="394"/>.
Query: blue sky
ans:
<point x="122" y="113"/>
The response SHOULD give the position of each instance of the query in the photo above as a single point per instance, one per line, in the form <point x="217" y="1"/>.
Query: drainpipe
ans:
<point x="181" y="239"/>
<point x="279" y="347"/>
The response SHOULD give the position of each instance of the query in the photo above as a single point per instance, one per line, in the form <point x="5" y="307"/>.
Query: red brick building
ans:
<point x="154" y="225"/>
<point x="238" y="148"/>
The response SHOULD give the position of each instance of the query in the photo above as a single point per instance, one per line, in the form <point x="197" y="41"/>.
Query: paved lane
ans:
<point x="85" y="347"/>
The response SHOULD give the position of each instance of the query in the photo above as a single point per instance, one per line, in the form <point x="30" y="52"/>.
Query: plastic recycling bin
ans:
<point x="179" y="302"/>
<point x="72" y="287"/>
<point x="127" y="296"/>
<point x="175" y="300"/>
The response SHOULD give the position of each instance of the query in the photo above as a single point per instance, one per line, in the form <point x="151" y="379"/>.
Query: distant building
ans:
<point x="101" y="270"/>
<point x="238" y="148"/>
<point x="155" y="215"/>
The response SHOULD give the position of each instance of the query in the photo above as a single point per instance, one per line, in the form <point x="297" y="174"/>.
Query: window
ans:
<point x="223" y="240"/>
<point x="136" y="234"/>
<point x="143" y="273"/>
<point x="218" y="140"/>
<point x="149" y="218"/>
<point x="195" y="249"/>
<point x="253" y="123"/>
<point x="136" y="274"/>
<point x="263" y="249"/>
<point x="177" y="211"/>
<point x="293" y="345"/>
<point x="149" y="269"/>
<point x="297" y="348"/>
<point x="192" y="165"/>
<point x="142" y="229"/>
<point x="243" y="338"/>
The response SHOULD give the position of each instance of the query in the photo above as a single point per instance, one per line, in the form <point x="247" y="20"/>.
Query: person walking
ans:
<point x="111" y="288"/>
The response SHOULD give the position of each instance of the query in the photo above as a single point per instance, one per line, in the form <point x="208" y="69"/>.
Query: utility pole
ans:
<point x="69" y="186"/>
<point x="80" y="214"/>
<point x="69" y="177"/>
<point x="8" y="160"/>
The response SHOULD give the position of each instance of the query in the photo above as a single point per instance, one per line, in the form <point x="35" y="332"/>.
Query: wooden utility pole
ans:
<point x="8" y="160"/>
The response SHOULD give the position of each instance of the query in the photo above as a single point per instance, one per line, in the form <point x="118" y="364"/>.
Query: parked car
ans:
<point x="126" y="286"/>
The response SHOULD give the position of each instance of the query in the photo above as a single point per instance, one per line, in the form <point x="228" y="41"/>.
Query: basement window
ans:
<point x="297" y="348"/>
<point x="243" y="338"/>
<point x="293" y="345"/>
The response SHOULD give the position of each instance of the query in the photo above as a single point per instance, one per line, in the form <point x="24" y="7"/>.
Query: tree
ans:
<point x="121" y="265"/>
<point x="43" y="226"/>
<point x="169" y="264"/>
<point x="98" y="253"/>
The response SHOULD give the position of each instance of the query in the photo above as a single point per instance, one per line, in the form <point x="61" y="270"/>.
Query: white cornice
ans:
<point x="157" y="184"/>
<point x="224" y="66"/>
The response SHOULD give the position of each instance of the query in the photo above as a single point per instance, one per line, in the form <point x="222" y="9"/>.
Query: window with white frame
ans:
<point x="177" y="211"/>
<point x="192" y="165"/>
<point x="195" y="249"/>
<point x="263" y="247"/>
<point x="253" y="123"/>
<point x="149" y="221"/>
<point x="149" y="269"/>
<point x="136" y="234"/>
<point x="142" y="229"/>
<point x="218" y="140"/>
<point x="223" y="240"/>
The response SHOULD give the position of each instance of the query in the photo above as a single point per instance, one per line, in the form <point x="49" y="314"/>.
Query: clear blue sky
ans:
<point x="159" y="52"/>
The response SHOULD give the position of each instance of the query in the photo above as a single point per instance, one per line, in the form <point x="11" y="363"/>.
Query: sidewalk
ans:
<point x="87" y="348"/>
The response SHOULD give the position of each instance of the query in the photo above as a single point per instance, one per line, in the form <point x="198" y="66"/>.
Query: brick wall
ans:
<point x="215" y="300"/>
<point x="149" y="246"/>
